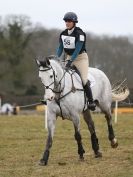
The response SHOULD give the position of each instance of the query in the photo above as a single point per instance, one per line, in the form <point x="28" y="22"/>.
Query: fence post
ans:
<point x="46" y="125"/>
<point x="116" y="111"/>
<point x="0" y="104"/>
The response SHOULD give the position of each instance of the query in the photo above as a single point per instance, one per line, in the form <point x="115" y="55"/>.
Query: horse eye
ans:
<point x="51" y="76"/>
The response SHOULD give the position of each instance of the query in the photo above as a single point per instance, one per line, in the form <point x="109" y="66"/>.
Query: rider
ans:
<point x="72" y="42"/>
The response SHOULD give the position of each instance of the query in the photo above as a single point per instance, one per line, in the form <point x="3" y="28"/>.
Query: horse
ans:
<point x="66" y="98"/>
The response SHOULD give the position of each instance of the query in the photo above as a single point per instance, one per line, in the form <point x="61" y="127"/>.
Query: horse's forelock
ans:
<point x="50" y="57"/>
<point x="43" y="61"/>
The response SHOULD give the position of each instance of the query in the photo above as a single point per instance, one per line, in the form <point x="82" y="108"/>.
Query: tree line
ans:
<point x="21" y="42"/>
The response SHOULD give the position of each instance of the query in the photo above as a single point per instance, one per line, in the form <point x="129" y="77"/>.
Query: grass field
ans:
<point x="22" y="142"/>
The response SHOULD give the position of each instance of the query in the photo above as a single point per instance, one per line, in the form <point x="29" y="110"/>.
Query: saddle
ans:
<point x="87" y="91"/>
<point x="74" y="69"/>
<point x="91" y="78"/>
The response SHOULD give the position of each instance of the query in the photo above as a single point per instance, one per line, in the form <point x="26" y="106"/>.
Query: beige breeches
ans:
<point x="82" y="64"/>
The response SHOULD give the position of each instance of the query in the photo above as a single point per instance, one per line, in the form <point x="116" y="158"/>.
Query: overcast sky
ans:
<point x="114" y="17"/>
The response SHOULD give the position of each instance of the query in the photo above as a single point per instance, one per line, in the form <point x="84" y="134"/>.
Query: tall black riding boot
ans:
<point x="88" y="92"/>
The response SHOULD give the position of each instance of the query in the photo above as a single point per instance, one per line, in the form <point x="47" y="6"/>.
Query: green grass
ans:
<point x="22" y="140"/>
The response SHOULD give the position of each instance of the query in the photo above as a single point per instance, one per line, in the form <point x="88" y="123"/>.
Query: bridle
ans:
<point x="54" y="82"/>
<point x="73" y="89"/>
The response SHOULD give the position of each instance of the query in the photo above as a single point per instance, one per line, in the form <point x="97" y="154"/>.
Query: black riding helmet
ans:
<point x="71" y="16"/>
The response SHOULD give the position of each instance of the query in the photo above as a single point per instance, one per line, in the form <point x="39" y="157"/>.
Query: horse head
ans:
<point x="43" y="62"/>
<point x="48" y="76"/>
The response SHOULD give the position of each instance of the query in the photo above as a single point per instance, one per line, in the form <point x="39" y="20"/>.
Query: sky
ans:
<point x="109" y="17"/>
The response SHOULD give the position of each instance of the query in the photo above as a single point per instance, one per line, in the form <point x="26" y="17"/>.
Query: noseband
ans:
<point x="54" y="82"/>
<point x="73" y="89"/>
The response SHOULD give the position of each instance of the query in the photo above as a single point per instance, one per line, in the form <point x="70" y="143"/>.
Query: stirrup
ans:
<point x="92" y="106"/>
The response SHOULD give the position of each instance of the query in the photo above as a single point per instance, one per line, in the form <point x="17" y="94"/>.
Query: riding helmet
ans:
<point x="71" y="16"/>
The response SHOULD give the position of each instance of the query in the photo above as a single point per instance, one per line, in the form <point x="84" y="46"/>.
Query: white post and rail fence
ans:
<point x="126" y="108"/>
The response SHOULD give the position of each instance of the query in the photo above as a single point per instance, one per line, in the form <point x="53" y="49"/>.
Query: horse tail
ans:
<point x="120" y="96"/>
<point x="120" y="91"/>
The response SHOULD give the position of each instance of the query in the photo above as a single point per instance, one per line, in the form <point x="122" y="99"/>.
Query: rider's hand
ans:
<point x="68" y="65"/>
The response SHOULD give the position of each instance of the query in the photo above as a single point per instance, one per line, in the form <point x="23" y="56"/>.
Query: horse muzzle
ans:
<point x="49" y="95"/>
<point x="51" y="98"/>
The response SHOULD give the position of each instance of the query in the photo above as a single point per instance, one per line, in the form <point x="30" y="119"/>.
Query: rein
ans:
<point x="73" y="89"/>
<point x="54" y="82"/>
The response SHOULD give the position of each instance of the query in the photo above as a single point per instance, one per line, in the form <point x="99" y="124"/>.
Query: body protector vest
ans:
<point x="69" y="41"/>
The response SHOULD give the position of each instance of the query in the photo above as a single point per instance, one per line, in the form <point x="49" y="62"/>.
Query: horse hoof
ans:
<point x="81" y="158"/>
<point x="42" y="163"/>
<point x="98" y="155"/>
<point x="114" y="143"/>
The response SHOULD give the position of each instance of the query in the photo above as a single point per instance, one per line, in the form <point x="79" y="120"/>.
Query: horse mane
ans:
<point x="56" y="59"/>
<point x="45" y="61"/>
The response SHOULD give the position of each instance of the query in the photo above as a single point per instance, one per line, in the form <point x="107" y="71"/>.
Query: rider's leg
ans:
<point x="82" y="63"/>
<point x="88" y="92"/>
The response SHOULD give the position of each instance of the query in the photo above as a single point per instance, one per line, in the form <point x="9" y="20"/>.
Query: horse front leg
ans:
<point x="91" y="127"/>
<point x="78" y="138"/>
<point x="111" y="136"/>
<point x="51" y="128"/>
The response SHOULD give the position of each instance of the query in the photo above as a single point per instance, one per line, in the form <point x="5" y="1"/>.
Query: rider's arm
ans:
<point x="59" y="50"/>
<point x="78" y="48"/>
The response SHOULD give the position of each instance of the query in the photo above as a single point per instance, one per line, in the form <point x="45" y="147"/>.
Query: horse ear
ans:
<point x="50" y="57"/>
<point x="47" y="61"/>
<point x="38" y="62"/>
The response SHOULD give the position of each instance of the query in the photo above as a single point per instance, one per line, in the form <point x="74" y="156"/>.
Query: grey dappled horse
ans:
<point x="65" y="97"/>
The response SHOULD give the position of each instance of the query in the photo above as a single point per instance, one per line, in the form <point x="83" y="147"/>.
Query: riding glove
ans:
<point x="68" y="65"/>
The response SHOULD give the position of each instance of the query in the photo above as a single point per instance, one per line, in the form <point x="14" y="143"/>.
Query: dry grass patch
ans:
<point x="22" y="143"/>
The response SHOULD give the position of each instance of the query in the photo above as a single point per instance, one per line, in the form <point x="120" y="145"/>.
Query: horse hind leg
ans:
<point x="111" y="135"/>
<point x="78" y="138"/>
<point x="113" y="140"/>
<point x="94" y="140"/>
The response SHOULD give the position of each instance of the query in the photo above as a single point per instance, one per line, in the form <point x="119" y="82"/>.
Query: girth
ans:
<point x="73" y="89"/>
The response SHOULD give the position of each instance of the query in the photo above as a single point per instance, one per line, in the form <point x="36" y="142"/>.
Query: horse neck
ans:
<point x="58" y="70"/>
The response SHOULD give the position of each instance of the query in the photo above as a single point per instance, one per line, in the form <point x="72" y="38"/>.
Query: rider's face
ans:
<point x="69" y="24"/>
